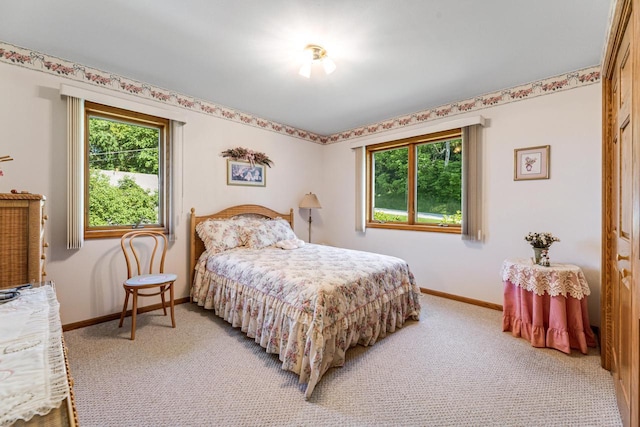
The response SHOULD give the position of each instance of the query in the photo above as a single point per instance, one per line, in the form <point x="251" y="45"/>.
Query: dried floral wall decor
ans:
<point x="244" y="154"/>
<point x="4" y="159"/>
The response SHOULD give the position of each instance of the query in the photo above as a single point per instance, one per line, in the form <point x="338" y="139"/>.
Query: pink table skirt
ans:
<point x="556" y="322"/>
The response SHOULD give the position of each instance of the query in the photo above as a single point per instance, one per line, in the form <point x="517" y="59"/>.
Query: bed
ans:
<point x="308" y="304"/>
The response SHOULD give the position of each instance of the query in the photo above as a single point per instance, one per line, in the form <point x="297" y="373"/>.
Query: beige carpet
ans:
<point x="452" y="368"/>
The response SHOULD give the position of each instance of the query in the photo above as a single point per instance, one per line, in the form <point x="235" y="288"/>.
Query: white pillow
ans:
<point x="220" y="235"/>
<point x="268" y="233"/>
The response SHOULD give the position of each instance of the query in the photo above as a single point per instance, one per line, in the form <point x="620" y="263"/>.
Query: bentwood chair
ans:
<point x="136" y="246"/>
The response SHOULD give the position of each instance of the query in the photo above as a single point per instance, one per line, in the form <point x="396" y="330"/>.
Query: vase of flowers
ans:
<point x="541" y="243"/>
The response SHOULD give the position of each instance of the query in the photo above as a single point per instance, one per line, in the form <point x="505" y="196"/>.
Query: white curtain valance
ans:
<point x="126" y="104"/>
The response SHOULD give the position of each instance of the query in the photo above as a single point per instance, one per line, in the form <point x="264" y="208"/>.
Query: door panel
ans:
<point x="623" y="201"/>
<point x="623" y="295"/>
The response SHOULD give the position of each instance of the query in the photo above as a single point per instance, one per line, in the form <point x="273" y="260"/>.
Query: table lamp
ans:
<point x="310" y="201"/>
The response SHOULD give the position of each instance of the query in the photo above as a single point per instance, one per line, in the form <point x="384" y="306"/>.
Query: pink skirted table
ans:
<point x="547" y="305"/>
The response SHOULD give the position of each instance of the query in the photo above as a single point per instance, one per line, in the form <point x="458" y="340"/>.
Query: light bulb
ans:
<point x="328" y="65"/>
<point x="305" y="70"/>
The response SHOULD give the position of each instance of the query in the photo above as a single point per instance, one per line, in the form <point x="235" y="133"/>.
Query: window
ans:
<point x="416" y="183"/>
<point x="127" y="171"/>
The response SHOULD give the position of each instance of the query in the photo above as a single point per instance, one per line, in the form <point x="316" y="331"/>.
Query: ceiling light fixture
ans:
<point x="316" y="54"/>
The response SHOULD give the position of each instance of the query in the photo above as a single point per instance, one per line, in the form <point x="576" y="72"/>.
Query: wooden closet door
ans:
<point x="623" y="325"/>
<point x="621" y="262"/>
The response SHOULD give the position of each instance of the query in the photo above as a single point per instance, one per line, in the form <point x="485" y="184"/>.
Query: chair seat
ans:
<point x="151" y="279"/>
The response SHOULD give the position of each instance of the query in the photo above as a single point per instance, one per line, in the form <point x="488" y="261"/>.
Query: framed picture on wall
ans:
<point x="244" y="173"/>
<point x="531" y="163"/>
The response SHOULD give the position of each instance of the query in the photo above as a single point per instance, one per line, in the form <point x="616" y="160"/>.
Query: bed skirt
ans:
<point x="305" y="345"/>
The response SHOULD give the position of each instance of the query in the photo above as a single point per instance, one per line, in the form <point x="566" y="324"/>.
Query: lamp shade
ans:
<point x="305" y="70"/>
<point x="328" y="65"/>
<point x="314" y="54"/>
<point x="310" y="201"/>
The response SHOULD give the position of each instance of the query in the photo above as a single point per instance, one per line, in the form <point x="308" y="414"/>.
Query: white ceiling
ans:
<point x="393" y="57"/>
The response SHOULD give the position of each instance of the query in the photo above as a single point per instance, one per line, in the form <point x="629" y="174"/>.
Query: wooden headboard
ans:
<point x="197" y="245"/>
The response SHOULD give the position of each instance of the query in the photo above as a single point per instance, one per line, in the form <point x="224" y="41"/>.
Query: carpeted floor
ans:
<point x="452" y="368"/>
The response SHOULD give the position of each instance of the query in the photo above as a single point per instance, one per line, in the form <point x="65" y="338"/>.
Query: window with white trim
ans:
<point x="127" y="171"/>
<point x="416" y="183"/>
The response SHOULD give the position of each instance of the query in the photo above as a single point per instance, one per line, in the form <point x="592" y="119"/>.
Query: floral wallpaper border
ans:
<point x="559" y="83"/>
<point x="33" y="60"/>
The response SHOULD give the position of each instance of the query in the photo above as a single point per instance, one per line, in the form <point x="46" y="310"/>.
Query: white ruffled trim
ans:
<point x="40" y="401"/>
<point x="304" y="344"/>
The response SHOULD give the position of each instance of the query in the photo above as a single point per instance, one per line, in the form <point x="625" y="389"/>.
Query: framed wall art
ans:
<point x="531" y="163"/>
<point x="245" y="173"/>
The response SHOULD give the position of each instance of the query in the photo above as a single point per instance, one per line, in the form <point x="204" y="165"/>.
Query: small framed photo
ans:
<point x="531" y="163"/>
<point x="244" y="173"/>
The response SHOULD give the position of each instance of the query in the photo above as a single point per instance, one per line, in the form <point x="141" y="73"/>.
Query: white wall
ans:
<point x="568" y="204"/>
<point x="88" y="281"/>
<point x="33" y="123"/>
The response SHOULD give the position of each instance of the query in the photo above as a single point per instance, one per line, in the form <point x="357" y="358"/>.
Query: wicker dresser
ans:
<point x="22" y="257"/>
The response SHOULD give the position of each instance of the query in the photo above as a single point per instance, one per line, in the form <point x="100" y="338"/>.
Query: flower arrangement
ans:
<point x="541" y="240"/>
<point x="247" y="155"/>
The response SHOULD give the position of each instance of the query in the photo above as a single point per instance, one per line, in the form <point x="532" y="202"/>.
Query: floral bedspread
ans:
<point x="308" y="305"/>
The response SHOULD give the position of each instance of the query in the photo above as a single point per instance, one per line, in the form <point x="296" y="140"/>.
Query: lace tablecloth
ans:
<point x="558" y="279"/>
<point x="33" y="376"/>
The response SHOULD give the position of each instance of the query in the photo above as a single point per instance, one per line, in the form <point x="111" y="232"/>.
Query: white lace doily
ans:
<point x="558" y="279"/>
<point x="33" y="375"/>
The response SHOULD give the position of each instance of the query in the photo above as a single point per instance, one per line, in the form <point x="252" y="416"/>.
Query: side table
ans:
<point x="547" y="305"/>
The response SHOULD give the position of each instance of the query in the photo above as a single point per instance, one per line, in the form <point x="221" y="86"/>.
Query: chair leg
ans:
<point x="164" y="306"/>
<point x="173" y="317"/>
<point x="134" y="311"/>
<point x="124" y="308"/>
